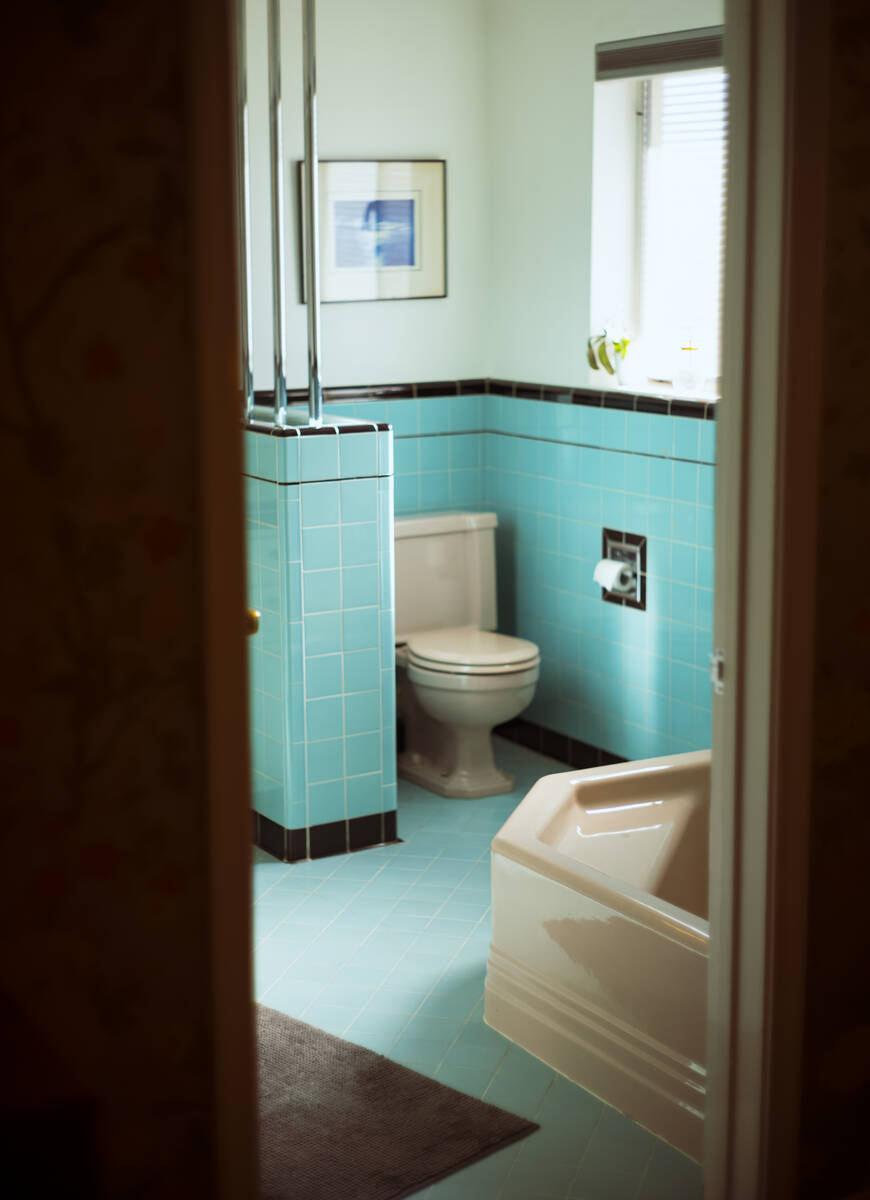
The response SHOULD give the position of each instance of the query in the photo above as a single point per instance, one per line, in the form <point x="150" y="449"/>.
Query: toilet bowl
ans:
<point x="455" y="681"/>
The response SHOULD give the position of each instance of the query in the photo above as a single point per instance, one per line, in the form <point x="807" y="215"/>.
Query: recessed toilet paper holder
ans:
<point x="628" y="587"/>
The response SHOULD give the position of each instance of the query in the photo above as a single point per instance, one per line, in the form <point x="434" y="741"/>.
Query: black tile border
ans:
<point x="326" y="840"/>
<point x="365" y="831"/>
<point x="315" y="430"/>
<point x="556" y="745"/>
<point x="472" y="387"/>
<point x="269" y="835"/>
<point x="653" y="404"/>
<point x="626" y="402"/>
<point x="297" y="844"/>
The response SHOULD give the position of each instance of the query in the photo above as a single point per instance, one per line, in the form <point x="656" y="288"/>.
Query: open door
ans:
<point x="776" y="55"/>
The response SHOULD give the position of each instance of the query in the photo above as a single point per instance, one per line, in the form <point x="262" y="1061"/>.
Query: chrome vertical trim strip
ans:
<point x="312" y="244"/>
<point x="243" y="218"/>
<point x="277" y="171"/>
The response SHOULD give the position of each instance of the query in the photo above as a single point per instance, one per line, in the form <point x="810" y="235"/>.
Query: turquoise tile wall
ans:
<point x="319" y="542"/>
<point x="439" y="449"/>
<point x="634" y="683"/>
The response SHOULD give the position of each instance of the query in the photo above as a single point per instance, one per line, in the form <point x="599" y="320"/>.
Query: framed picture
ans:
<point x="382" y="230"/>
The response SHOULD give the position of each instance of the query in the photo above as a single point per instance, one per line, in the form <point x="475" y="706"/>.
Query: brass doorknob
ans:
<point x="252" y="621"/>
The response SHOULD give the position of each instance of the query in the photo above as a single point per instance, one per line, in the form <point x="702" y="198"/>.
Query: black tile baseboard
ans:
<point x="323" y="841"/>
<point x="556" y="745"/>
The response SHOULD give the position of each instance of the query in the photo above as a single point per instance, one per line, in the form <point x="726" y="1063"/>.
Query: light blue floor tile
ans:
<point x="473" y="1081"/>
<point x="319" y="962"/>
<point x="472" y="846"/>
<point x="292" y="995"/>
<point x="331" y="1017"/>
<point x="446" y="1007"/>
<point x="452" y="927"/>
<point x="615" y="1160"/>
<point x="395" y="1002"/>
<point x="369" y="978"/>
<point x="536" y="1178"/>
<point x="423" y="844"/>
<point x="334" y="886"/>
<point x="384" y="888"/>
<point x="669" y="1175"/>
<point x="266" y="918"/>
<point x="338" y="994"/>
<point x="440" y="1029"/>
<point x="378" y="955"/>
<point x="418" y="1050"/>
<point x="294" y="883"/>
<point x="479" y="1180"/>
<point x="385" y="1024"/>
<point x="469" y="1054"/>
<point x="388" y="949"/>
<point x="438" y="945"/>
<point x="291" y="940"/>
<point x="426" y="890"/>
<point x="266" y="972"/>
<point x="520" y="1084"/>
<point x="358" y="866"/>
<point x="379" y="1042"/>
<point x="409" y="907"/>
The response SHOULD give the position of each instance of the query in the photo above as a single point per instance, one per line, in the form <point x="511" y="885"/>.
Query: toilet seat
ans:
<point x="465" y="650"/>
<point x="480" y="684"/>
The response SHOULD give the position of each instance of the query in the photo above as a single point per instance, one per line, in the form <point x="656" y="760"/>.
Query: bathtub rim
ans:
<point x="518" y="840"/>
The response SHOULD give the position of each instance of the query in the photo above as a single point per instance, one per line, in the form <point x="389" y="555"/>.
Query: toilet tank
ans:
<point x="445" y="571"/>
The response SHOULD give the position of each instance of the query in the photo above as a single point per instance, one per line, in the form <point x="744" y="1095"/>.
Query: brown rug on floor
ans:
<point x="338" y="1122"/>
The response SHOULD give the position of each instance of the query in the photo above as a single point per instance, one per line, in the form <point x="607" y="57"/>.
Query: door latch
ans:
<point x="717" y="671"/>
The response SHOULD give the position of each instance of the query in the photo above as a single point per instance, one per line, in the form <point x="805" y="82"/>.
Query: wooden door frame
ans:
<point x="766" y="498"/>
<point x="225" y="684"/>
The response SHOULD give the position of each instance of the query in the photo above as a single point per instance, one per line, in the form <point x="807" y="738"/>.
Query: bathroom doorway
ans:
<point x="748" y="435"/>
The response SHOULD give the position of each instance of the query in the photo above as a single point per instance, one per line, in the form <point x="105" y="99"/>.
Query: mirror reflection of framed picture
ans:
<point x="382" y="229"/>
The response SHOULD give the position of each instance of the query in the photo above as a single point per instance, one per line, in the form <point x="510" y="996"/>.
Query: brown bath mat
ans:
<point x="339" y="1122"/>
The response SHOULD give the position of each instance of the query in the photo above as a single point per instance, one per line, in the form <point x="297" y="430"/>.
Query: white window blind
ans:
<point x="682" y="230"/>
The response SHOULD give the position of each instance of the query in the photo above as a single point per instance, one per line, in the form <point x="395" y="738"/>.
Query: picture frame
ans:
<point x="382" y="229"/>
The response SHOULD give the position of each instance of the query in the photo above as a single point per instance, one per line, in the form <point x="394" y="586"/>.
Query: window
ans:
<point x="659" y="181"/>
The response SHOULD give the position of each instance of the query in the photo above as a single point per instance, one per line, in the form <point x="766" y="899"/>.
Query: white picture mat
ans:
<point x="420" y="182"/>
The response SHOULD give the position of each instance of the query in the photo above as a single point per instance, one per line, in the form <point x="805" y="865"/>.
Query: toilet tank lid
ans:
<point x="424" y="524"/>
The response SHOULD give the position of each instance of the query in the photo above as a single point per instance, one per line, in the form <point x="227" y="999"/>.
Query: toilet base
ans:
<point x="453" y="757"/>
<point x="457" y="784"/>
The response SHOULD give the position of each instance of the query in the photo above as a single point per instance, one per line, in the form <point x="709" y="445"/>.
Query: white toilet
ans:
<point x="456" y="678"/>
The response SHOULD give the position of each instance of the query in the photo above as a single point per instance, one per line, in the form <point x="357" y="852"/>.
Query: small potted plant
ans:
<point x="607" y="354"/>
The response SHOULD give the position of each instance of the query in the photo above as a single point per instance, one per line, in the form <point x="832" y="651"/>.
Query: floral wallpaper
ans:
<point x="836" y="1092"/>
<point x="105" y="974"/>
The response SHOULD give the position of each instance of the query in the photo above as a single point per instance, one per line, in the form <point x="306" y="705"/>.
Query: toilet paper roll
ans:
<point x="613" y="576"/>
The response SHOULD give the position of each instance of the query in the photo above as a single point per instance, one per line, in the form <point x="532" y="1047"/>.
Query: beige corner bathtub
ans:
<point x="598" y="962"/>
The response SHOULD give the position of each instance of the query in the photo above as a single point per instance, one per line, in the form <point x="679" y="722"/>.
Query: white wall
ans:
<point x="503" y="90"/>
<point x="396" y="79"/>
<point x="540" y="84"/>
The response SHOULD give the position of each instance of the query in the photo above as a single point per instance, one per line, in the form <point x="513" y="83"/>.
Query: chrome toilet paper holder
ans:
<point x="619" y="546"/>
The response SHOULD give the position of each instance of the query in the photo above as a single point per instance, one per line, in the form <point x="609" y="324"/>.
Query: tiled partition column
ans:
<point x="320" y="570"/>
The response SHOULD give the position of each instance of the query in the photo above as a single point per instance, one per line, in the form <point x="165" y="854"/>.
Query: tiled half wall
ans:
<point x="319" y="538"/>
<point x="634" y="683"/>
